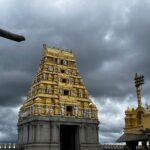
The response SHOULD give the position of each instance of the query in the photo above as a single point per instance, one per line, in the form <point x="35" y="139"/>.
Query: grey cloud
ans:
<point x="8" y="128"/>
<point x="110" y="40"/>
<point x="14" y="85"/>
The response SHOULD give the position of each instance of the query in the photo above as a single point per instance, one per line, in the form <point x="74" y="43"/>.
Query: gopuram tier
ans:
<point x="58" y="113"/>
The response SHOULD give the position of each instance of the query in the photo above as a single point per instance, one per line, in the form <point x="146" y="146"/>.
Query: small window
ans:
<point x="69" y="110"/>
<point x="62" y="71"/>
<point x="66" y="92"/>
<point x="61" y="62"/>
<point x="64" y="80"/>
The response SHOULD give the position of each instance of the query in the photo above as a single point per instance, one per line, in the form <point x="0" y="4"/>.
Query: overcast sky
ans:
<point x="111" y="41"/>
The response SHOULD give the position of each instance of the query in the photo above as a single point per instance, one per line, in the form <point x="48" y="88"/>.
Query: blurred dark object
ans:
<point x="11" y="36"/>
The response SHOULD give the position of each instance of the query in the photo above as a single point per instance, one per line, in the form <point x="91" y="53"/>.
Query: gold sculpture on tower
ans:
<point x="58" y="89"/>
<point x="134" y="117"/>
<point x="137" y="120"/>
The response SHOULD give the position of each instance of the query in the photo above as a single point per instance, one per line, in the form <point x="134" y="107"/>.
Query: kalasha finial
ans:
<point x="44" y="46"/>
<point x="139" y="80"/>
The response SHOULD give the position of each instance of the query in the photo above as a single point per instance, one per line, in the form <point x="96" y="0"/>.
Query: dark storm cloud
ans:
<point x="11" y="92"/>
<point x="109" y="38"/>
<point x="8" y="128"/>
<point x="83" y="34"/>
<point x="131" y="38"/>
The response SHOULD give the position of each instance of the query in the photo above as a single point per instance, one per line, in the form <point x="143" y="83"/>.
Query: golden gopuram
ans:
<point x="137" y="121"/>
<point x="58" y="113"/>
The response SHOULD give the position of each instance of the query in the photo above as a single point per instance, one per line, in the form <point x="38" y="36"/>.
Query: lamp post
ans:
<point x="139" y="80"/>
<point x="11" y="36"/>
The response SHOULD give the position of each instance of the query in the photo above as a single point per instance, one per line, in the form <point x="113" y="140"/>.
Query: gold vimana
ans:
<point x="58" y="89"/>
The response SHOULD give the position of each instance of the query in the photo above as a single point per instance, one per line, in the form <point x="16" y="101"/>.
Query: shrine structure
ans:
<point x="137" y="121"/>
<point x="58" y="113"/>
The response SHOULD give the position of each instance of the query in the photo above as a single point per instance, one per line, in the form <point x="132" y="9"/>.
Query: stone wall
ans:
<point x="102" y="147"/>
<point x="112" y="147"/>
<point x="45" y="133"/>
<point x="116" y="147"/>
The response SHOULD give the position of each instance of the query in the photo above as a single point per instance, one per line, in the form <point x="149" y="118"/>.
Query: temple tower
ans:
<point x="137" y="121"/>
<point x="58" y="113"/>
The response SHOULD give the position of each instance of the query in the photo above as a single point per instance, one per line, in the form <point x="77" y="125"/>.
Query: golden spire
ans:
<point x="58" y="89"/>
<point x="139" y="80"/>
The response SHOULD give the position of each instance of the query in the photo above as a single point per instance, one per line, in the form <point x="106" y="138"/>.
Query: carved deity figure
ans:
<point x="39" y="109"/>
<point x="76" y="110"/>
<point x="51" y="110"/>
<point x="62" y="109"/>
<point x="47" y="109"/>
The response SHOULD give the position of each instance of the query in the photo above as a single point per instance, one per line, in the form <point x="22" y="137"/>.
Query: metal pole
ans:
<point x="139" y="80"/>
<point x="11" y="36"/>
